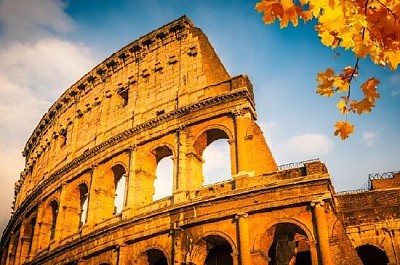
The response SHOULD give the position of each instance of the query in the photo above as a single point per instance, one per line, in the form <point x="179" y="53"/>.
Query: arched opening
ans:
<point x="54" y="214"/>
<point x="290" y="245"/>
<point x="219" y="251"/>
<point x="119" y="188"/>
<point x="83" y="204"/>
<point x="163" y="183"/>
<point x="156" y="257"/>
<point x="214" y="159"/>
<point x="371" y="255"/>
<point x="216" y="165"/>
<point x="27" y="239"/>
<point x="13" y="245"/>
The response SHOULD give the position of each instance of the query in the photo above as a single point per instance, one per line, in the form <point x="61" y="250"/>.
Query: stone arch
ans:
<point x="119" y="188"/>
<point x="26" y="240"/>
<point x="213" y="244"/>
<point x="13" y="245"/>
<point x="82" y="194"/>
<point x="372" y="255"/>
<point x="146" y="171"/>
<point x="153" y="255"/>
<point x="48" y="222"/>
<point x="292" y="234"/>
<point x="163" y="151"/>
<point x="201" y="141"/>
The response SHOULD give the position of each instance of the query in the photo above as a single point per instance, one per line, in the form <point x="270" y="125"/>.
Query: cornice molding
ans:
<point x="112" y="141"/>
<point x="136" y="49"/>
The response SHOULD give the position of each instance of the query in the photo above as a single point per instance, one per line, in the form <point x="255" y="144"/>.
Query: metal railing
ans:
<point x="368" y="184"/>
<point x="297" y="164"/>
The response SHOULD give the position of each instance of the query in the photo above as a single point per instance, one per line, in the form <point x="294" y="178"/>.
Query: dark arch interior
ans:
<point x="156" y="257"/>
<point x="219" y="251"/>
<point x="118" y="171"/>
<point x="161" y="152"/>
<point x="206" y="138"/>
<point x="289" y="244"/>
<point x="371" y="255"/>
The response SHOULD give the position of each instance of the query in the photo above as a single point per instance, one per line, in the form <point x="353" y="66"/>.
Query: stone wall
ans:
<point x="168" y="95"/>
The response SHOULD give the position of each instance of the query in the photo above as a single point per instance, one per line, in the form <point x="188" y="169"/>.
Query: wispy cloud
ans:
<point x="36" y="65"/>
<point x="27" y="20"/>
<point x="394" y="84"/>
<point x="369" y="137"/>
<point x="303" y="147"/>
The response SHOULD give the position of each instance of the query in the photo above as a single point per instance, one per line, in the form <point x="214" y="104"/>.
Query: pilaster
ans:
<point x="322" y="232"/>
<point x="242" y="229"/>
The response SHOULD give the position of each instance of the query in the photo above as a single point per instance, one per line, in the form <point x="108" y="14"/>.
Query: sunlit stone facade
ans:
<point x="86" y="193"/>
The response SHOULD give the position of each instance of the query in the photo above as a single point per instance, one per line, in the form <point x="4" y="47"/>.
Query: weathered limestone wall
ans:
<point x="86" y="195"/>
<point x="372" y="218"/>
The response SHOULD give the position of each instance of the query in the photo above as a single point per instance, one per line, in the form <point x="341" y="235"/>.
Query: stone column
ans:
<point x="39" y="229"/>
<point x="243" y="238"/>
<point x="12" y="248"/>
<point x="322" y="232"/>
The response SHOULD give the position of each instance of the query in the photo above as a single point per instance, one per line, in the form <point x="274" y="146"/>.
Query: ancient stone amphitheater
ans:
<point x="85" y="195"/>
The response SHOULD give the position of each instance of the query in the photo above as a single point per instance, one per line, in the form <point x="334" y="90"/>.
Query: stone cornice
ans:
<point x="229" y="196"/>
<point x="241" y="93"/>
<point x="132" y="49"/>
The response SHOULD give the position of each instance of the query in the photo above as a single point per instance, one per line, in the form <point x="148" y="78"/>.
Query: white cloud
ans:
<point x="303" y="147"/>
<point x="395" y="93"/>
<point x="393" y="84"/>
<point x="369" y="137"/>
<point x="23" y="20"/>
<point x="36" y="66"/>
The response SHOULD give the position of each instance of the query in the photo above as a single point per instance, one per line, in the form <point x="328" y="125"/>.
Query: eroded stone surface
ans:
<point x="168" y="95"/>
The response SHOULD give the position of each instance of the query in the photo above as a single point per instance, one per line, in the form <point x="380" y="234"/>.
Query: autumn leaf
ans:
<point x="369" y="29"/>
<point x="365" y="105"/>
<point x="370" y="90"/>
<point x="342" y="105"/>
<point x="343" y="129"/>
<point x="326" y="80"/>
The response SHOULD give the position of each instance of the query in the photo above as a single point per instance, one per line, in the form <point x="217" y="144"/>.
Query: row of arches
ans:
<point x="67" y="211"/>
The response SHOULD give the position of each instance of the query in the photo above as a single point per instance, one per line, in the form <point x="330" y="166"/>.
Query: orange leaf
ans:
<point x="326" y="79"/>
<point x="370" y="90"/>
<point x="343" y="129"/>
<point x="365" y="105"/>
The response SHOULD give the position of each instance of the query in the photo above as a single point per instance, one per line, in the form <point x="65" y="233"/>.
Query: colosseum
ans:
<point x="86" y="194"/>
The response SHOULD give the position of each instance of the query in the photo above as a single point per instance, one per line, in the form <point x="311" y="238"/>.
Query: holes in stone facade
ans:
<point x="124" y="95"/>
<point x="54" y="215"/>
<point x="156" y="257"/>
<point x="120" y="188"/>
<point x="214" y="151"/>
<point x="290" y="245"/>
<point x="83" y="203"/>
<point x="371" y="255"/>
<point x="216" y="167"/>
<point x="63" y="137"/>
<point x="219" y="251"/>
<point x="163" y="184"/>
<point x="26" y="247"/>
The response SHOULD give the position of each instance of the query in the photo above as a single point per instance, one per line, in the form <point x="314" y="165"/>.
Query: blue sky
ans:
<point x="47" y="45"/>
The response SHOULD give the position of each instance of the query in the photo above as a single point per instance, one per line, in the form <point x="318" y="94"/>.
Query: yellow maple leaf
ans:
<point x="343" y="129"/>
<point x="342" y="106"/>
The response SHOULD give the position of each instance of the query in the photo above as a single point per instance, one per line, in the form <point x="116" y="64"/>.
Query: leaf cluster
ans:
<point x="365" y="27"/>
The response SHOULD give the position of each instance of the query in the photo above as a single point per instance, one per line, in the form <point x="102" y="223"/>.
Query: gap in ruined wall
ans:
<point x="163" y="184"/>
<point x="216" y="167"/>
